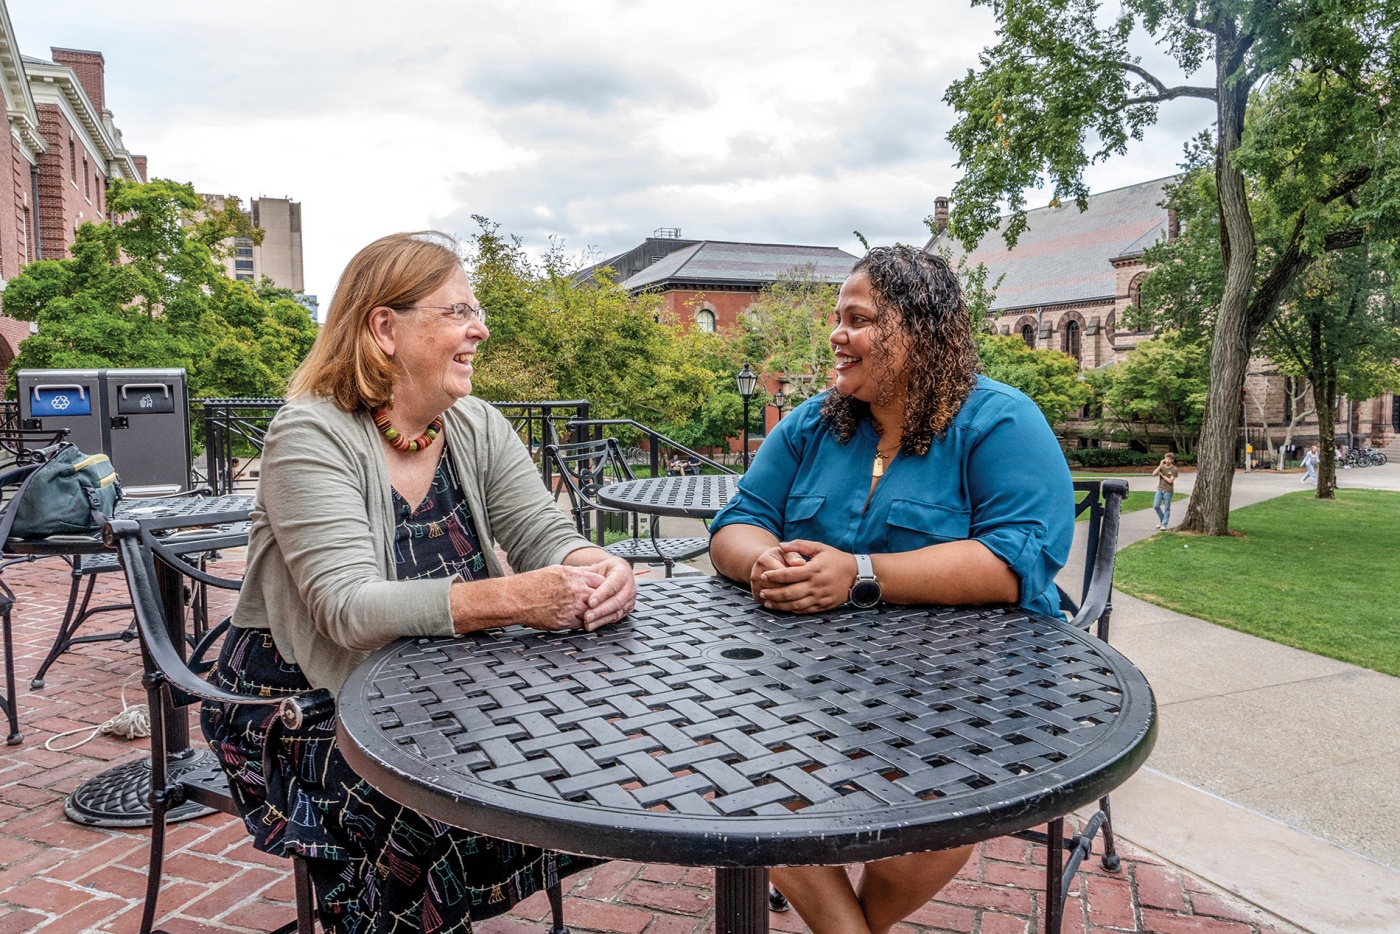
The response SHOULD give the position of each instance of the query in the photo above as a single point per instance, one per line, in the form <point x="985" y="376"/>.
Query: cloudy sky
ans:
<point x="591" y="121"/>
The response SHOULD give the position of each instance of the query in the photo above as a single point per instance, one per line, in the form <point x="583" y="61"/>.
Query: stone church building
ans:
<point x="1072" y="277"/>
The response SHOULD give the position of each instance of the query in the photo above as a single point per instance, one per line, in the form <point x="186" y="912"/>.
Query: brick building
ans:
<point x="60" y="154"/>
<point x="1072" y="276"/>
<point x="710" y="283"/>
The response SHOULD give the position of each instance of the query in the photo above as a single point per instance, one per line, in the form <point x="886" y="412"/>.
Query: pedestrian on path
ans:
<point x="1310" y="460"/>
<point x="1166" y="474"/>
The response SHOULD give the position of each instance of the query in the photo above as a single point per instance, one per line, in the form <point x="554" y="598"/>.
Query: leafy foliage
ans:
<point x="1049" y="377"/>
<point x="148" y="292"/>
<point x="554" y="338"/>
<point x="787" y="330"/>
<point x="1304" y="155"/>
<point x="1162" y="383"/>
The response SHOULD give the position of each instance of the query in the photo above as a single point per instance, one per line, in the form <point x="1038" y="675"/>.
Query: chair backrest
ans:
<point x="175" y="678"/>
<point x="17" y="443"/>
<point x="1103" y="500"/>
<point x="583" y="467"/>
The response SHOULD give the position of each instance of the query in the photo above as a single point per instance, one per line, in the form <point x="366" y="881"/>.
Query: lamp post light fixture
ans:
<point x="779" y="400"/>
<point x="746" y="380"/>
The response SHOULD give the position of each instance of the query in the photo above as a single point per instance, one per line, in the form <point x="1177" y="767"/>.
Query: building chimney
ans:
<point x="141" y="168"/>
<point x="1173" y="225"/>
<point x="940" y="215"/>
<point x="90" y="69"/>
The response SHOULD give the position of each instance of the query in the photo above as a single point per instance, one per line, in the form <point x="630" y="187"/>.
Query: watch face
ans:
<point x="865" y="593"/>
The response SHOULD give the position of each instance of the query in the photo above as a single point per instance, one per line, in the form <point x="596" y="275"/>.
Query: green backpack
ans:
<point x="68" y="492"/>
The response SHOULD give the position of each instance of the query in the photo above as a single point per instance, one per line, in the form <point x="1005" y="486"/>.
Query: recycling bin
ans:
<point x="64" y="399"/>
<point x="147" y="428"/>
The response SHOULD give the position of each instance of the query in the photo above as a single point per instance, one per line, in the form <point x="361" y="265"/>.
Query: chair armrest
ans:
<point x="1101" y="586"/>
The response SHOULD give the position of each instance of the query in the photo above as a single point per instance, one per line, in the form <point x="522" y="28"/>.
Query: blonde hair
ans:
<point x="345" y="364"/>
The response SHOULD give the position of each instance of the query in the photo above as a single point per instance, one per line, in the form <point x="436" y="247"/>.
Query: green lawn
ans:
<point x="1314" y="574"/>
<point x="1135" y="500"/>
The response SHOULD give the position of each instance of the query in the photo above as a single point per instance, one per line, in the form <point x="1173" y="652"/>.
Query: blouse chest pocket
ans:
<point x="802" y="518"/>
<point x="914" y="524"/>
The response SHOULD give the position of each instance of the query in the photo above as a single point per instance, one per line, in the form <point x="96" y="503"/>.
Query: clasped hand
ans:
<point x="802" y="577"/>
<point x="583" y="597"/>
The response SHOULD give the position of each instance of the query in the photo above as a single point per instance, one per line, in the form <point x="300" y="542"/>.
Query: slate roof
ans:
<point x="1065" y="255"/>
<point x="720" y="263"/>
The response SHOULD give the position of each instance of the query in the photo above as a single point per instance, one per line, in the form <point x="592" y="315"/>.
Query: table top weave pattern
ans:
<point x="699" y="497"/>
<point x="755" y="737"/>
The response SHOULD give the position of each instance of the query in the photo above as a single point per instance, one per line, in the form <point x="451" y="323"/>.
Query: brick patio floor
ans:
<point x="57" y="876"/>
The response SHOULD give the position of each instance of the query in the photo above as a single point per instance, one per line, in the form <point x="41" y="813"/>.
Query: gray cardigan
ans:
<point x="321" y="571"/>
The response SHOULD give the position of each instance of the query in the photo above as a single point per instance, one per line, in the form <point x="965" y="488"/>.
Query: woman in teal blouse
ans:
<point x="912" y="480"/>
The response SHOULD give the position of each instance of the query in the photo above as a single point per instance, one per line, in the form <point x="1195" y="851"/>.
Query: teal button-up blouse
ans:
<point x="998" y="476"/>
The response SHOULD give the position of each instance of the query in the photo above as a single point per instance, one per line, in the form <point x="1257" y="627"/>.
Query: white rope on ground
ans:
<point x="134" y="722"/>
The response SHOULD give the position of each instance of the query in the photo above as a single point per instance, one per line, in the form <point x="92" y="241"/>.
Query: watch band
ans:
<point x="865" y="570"/>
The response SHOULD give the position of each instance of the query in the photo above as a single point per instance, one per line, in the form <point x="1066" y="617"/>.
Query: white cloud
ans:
<point x="592" y="121"/>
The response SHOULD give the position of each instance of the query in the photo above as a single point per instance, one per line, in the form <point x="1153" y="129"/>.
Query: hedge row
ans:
<point x="1120" y="457"/>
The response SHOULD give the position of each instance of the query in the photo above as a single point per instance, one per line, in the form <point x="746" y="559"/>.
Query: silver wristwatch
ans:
<point x="865" y="592"/>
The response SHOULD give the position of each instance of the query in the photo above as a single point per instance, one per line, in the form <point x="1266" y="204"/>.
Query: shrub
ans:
<point x="1120" y="457"/>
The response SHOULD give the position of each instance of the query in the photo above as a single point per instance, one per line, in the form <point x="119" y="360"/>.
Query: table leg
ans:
<point x="120" y="796"/>
<point x="741" y="901"/>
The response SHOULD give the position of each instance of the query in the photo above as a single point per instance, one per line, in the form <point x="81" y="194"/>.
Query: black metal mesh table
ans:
<point x="119" y="796"/>
<point x="704" y="730"/>
<point x="697" y="497"/>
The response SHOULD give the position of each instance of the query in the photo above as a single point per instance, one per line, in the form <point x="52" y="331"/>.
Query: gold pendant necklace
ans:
<point x="877" y="470"/>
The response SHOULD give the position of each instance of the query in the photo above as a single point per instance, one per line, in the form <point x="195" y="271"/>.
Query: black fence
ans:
<point x="232" y="432"/>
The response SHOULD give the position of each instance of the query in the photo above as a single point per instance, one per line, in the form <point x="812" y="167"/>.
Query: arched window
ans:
<point x="1135" y="290"/>
<point x="1071" y="339"/>
<point x="705" y="320"/>
<point x="1028" y="335"/>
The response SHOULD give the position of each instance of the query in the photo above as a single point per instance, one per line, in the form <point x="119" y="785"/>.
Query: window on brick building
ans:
<point x="87" y="180"/>
<point x="705" y="320"/>
<point x="73" y="161"/>
<point x="1028" y="335"/>
<point x="1071" y="339"/>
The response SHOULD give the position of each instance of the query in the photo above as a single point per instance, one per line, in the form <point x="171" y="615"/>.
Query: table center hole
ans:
<point x="742" y="654"/>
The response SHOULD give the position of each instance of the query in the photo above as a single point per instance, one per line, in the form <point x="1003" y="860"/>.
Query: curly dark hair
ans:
<point x="931" y="321"/>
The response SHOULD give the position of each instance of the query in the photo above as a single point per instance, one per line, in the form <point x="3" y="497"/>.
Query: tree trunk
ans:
<point x="1326" y="389"/>
<point x="1209" y="509"/>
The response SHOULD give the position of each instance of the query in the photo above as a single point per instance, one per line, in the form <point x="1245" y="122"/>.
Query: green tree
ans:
<point x="1305" y="94"/>
<point x="148" y="292"/>
<point x="1340" y="328"/>
<point x="555" y="338"/>
<point x="1049" y="377"/>
<point x="1161" y="384"/>
<point x="787" y="330"/>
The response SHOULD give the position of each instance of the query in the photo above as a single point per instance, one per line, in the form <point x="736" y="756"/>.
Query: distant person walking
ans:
<point x="1310" y="460"/>
<point x="1166" y="474"/>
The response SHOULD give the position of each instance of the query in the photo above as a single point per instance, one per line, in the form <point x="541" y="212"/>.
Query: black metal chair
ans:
<point x="583" y="468"/>
<point x="1103" y="500"/>
<point x="175" y="680"/>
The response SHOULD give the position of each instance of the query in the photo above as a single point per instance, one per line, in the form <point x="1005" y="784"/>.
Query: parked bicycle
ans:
<point x="1364" y="457"/>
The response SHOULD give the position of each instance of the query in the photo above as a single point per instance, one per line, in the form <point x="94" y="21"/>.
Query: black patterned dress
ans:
<point x="377" y="867"/>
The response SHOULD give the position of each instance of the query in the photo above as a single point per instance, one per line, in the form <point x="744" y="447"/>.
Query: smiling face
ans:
<point x="432" y="351"/>
<point x="870" y="356"/>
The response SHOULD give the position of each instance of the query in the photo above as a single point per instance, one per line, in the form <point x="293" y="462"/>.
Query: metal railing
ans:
<point x="540" y="424"/>
<point x="591" y="429"/>
<point x="234" y="431"/>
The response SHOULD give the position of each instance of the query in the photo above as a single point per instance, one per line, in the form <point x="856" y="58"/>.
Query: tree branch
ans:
<point x="1164" y="93"/>
<point x="1266" y="297"/>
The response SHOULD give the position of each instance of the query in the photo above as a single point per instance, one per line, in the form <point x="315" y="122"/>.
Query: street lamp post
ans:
<point x="746" y="380"/>
<point x="779" y="400"/>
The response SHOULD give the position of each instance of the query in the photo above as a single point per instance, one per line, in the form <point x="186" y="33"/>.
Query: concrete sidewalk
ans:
<point x="1276" y="774"/>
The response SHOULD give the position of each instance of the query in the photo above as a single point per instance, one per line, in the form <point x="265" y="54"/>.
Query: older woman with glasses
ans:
<point x="384" y="488"/>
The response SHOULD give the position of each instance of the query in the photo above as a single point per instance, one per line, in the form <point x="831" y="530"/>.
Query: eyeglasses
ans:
<point x="461" y="311"/>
